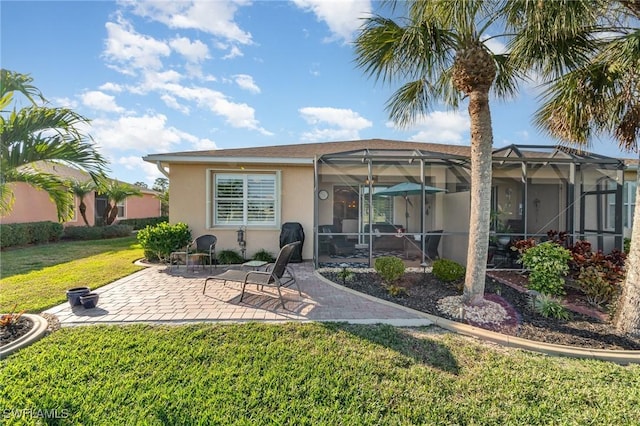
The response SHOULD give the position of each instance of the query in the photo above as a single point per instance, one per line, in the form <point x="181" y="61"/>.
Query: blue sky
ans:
<point x="173" y="76"/>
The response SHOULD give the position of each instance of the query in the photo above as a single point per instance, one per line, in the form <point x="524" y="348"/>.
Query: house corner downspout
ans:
<point x="162" y="169"/>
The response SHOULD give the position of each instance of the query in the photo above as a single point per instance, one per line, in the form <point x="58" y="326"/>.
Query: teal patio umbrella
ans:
<point x="405" y="189"/>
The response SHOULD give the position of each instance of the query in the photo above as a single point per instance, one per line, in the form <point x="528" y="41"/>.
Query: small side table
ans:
<point x="254" y="264"/>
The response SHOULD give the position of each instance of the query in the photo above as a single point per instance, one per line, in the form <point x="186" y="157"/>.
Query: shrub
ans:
<point x="547" y="263"/>
<point x="229" y="257"/>
<point x="611" y="266"/>
<point x="164" y="238"/>
<point x="345" y="275"/>
<point x="447" y="270"/>
<point x="263" y="256"/>
<point x="142" y="223"/>
<point x="597" y="289"/>
<point x="18" y="234"/>
<point x="549" y="307"/>
<point x="396" y="290"/>
<point x="96" y="232"/>
<point x="389" y="268"/>
<point x="627" y="245"/>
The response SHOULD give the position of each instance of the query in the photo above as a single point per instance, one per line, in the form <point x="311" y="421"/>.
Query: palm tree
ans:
<point x="36" y="133"/>
<point x="592" y="64"/>
<point x="116" y="193"/>
<point x="81" y="189"/>
<point x="441" y="50"/>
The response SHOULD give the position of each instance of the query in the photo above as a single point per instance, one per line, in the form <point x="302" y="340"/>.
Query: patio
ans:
<point x="157" y="295"/>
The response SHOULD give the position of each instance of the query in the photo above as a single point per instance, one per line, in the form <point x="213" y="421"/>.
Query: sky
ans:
<point x="173" y="76"/>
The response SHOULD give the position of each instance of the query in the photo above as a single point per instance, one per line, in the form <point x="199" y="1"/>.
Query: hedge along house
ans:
<point x="340" y="193"/>
<point x="33" y="205"/>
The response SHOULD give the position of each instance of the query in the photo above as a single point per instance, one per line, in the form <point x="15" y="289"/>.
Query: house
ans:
<point x="342" y="189"/>
<point x="34" y="205"/>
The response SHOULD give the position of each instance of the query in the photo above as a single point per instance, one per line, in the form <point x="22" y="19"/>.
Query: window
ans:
<point x="629" y="203"/>
<point x="245" y="199"/>
<point x="121" y="210"/>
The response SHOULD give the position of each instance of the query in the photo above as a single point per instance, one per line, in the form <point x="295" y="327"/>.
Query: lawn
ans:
<point x="306" y="374"/>
<point x="36" y="278"/>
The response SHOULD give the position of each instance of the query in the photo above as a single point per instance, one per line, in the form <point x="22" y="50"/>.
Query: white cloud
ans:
<point x="495" y="46"/>
<point x="204" y="145"/>
<point x="343" y="123"/>
<point x="442" y="127"/>
<point x="100" y="101"/>
<point x="342" y="17"/>
<point x="147" y="133"/>
<point x="246" y="82"/>
<point x="236" y="114"/>
<point x="136" y="163"/>
<point x="212" y="17"/>
<point x="111" y="87"/>
<point x="195" y="51"/>
<point x="130" y="51"/>
<point x="65" y="103"/>
<point x="173" y="103"/>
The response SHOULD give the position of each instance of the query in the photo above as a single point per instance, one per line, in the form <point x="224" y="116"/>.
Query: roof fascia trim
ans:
<point x="225" y="160"/>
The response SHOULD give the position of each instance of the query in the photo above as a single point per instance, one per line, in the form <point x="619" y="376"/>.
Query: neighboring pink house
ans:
<point x="33" y="205"/>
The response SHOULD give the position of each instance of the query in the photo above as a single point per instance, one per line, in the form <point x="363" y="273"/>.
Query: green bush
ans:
<point x="448" y="271"/>
<point x="229" y="257"/>
<point x="389" y="268"/>
<point x="143" y="222"/>
<point x="597" y="289"/>
<point x="549" y="307"/>
<point x="263" y="256"/>
<point x="18" y="234"/>
<point x="160" y="240"/>
<point x="548" y="263"/>
<point x="96" y="232"/>
<point x="627" y="245"/>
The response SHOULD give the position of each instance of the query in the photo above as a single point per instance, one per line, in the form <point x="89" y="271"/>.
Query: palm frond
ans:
<point x="11" y="81"/>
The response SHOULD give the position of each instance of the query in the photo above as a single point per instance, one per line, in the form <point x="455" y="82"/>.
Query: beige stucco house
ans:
<point x="342" y="194"/>
<point x="33" y="205"/>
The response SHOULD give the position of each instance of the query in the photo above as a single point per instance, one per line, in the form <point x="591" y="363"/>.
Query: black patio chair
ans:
<point x="431" y="245"/>
<point x="277" y="276"/>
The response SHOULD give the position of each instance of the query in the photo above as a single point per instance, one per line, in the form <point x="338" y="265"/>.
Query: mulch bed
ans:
<point x="14" y="332"/>
<point x="422" y="292"/>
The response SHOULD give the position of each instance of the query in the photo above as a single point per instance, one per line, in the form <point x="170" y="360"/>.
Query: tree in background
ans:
<point x="116" y="192"/>
<point x="441" y="50"/>
<point x="81" y="189"/>
<point x="41" y="133"/>
<point x="588" y="52"/>
<point x="140" y="184"/>
<point x="161" y="185"/>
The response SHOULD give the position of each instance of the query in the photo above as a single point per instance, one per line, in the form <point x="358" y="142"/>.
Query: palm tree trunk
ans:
<point x="83" y="212"/>
<point x="481" y="155"/>
<point x="627" y="318"/>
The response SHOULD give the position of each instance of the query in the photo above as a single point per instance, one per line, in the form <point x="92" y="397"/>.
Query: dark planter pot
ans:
<point x="74" y="294"/>
<point x="89" y="301"/>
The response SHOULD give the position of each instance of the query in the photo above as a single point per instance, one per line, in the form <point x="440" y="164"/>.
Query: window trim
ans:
<point x="210" y="186"/>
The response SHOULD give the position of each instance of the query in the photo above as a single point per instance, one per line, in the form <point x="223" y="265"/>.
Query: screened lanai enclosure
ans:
<point x="414" y="204"/>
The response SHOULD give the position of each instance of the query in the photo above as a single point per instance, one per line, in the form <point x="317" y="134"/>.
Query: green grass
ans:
<point x="307" y="374"/>
<point x="36" y="278"/>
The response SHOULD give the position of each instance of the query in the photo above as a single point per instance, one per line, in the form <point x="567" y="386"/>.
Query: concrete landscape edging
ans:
<point x="617" y="356"/>
<point x="38" y="330"/>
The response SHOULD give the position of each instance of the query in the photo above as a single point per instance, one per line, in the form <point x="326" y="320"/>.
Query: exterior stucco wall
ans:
<point x="188" y="203"/>
<point x="142" y="207"/>
<point x="33" y="205"/>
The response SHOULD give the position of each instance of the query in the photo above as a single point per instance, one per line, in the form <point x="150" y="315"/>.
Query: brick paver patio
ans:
<point x="156" y="294"/>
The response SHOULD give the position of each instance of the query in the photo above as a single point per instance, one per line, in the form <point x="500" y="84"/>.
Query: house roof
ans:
<point x="306" y="153"/>
<point x="301" y="153"/>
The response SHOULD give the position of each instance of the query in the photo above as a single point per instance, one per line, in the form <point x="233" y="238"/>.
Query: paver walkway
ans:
<point x="156" y="294"/>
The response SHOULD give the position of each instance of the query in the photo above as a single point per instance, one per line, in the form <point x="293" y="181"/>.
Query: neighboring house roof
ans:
<point x="67" y="172"/>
